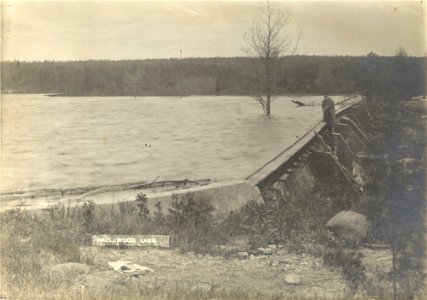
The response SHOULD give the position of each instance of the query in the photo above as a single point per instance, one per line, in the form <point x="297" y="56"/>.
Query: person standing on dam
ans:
<point x="328" y="107"/>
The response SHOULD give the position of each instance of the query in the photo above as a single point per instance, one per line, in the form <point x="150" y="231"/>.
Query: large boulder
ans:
<point x="293" y="279"/>
<point x="349" y="225"/>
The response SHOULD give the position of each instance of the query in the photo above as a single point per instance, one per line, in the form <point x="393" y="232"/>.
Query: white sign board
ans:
<point x="131" y="240"/>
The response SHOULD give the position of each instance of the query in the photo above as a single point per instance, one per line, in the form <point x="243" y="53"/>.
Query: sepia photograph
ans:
<point x="208" y="149"/>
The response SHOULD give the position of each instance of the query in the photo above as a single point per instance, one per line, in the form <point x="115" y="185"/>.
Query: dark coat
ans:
<point x="328" y="107"/>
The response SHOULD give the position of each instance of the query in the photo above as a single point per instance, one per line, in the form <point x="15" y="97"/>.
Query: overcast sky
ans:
<point x="80" y="30"/>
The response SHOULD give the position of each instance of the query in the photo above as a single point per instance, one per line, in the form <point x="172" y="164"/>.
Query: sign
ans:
<point x="131" y="240"/>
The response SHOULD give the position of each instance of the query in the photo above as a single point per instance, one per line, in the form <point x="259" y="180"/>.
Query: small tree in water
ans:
<point x="268" y="40"/>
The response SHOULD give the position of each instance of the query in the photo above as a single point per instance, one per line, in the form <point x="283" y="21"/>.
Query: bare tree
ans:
<point x="268" y="39"/>
<point x="134" y="80"/>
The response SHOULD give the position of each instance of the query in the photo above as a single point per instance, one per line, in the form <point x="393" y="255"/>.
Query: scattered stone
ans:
<point x="274" y="247"/>
<point x="409" y="163"/>
<point x="265" y="251"/>
<point x="317" y="264"/>
<point x="349" y="225"/>
<point x="66" y="271"/>
<point x="243" y="255"/>
<point x="127" y="267"/>
<point x="385" y="258"/>
<point x="293" y="279"/>
<point x="274" y="263"/>
<point x="285" y="261"/>
<point x="232" y="248"/>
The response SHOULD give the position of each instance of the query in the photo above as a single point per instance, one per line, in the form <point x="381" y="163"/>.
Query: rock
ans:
<point x="243" y="255"/>
<point x="66" y="271"/>
<point x="231" y="248"/>
<point x="127" y="267"/>
<point x="349" y="225"/>
<point x="274" y="247"/>
<point x="280" y="262"/>
<point x="285" y="261"/>
<point x="265" y="251"/>
<point x="293" y="279"/>
<point x="261" y="251"/>
<point x="274" y="263"/>
<point x="409" y="165"/>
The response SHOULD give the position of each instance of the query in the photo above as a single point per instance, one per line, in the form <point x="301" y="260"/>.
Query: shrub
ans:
<point x="351" y="264"/>
<point x="144" y="212"/>
<point x="192" y="222"/>
<point x="88" y="217"/>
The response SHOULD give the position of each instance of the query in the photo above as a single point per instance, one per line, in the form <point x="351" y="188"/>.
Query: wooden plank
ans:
<point x="161" y="241"/>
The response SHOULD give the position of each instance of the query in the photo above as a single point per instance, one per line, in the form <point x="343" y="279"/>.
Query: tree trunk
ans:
<point x="393" y="252"/>
<point x="267" y="111"/>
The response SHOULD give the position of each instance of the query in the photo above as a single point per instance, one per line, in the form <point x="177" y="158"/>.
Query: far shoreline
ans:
<point x="182" y="96"/>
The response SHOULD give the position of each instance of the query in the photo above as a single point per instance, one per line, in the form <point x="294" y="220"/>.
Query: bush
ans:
<point x="291" y="221"/>
<point x="351" y="264"/>
<point x="144" y="212"/>
<point x="193" y="224"/>
<point x="88" y="217"/>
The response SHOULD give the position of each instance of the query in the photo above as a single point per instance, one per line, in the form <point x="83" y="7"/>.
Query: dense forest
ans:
<point x="367" y="75"/>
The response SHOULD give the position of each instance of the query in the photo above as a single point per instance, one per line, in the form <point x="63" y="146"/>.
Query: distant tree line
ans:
<point x="371" y="75"/>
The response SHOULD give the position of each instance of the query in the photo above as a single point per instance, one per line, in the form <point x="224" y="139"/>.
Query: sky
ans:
<point x="82" y="30"/>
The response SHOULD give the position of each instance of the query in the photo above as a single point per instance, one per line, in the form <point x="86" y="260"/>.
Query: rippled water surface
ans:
<point x="57" y="142"/>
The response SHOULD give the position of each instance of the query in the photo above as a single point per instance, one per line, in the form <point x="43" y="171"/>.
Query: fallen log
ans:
<point x="299" y="103"/>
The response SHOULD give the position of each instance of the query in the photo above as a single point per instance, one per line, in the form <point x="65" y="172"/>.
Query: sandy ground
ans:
<point x="262" y="274"/>
<point x="254" y="274"/>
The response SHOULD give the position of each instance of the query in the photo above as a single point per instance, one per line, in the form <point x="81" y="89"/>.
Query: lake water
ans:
<point x="59" y="142"/>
